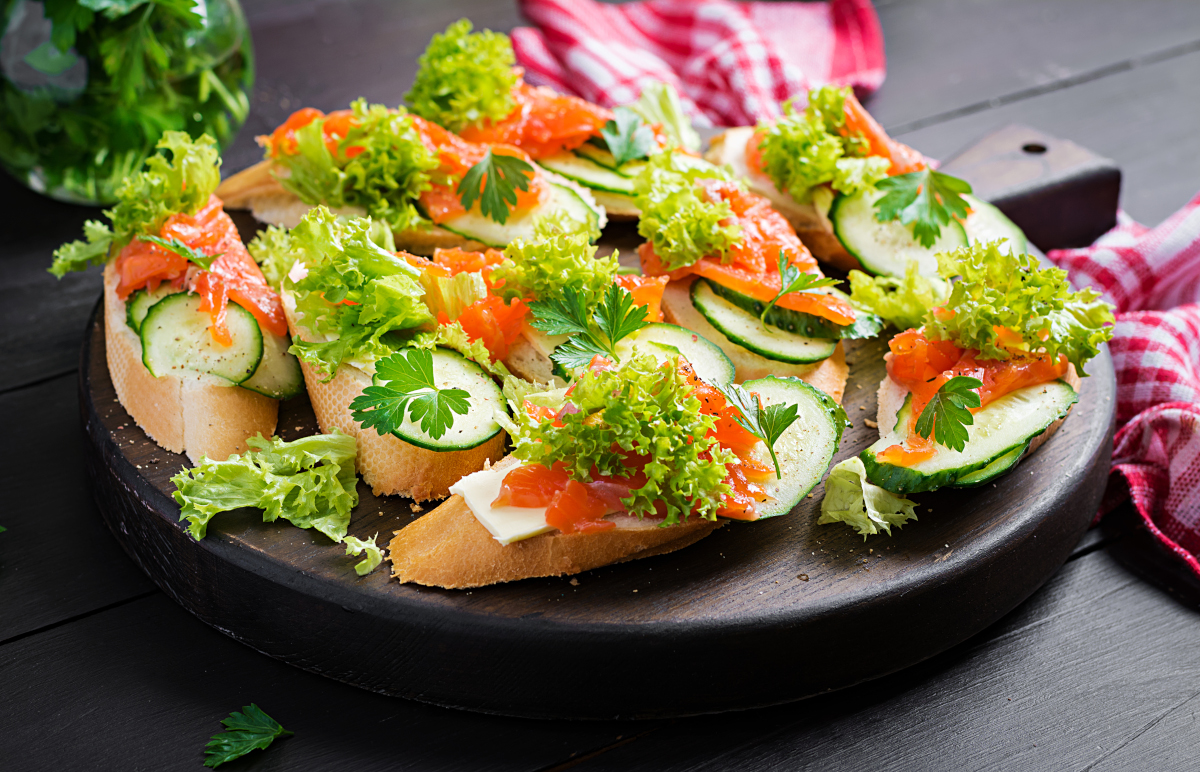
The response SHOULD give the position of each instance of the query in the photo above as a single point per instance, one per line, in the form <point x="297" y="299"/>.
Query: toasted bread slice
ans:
<point x="526" y="360"/>
<point x="812" y="226"/>
<point x="258" y="190"/>
<point x="828" y="375"/>
<point x="387" y="463"/>
<point x="450" y="548"/>
<point x="191" y="413"/>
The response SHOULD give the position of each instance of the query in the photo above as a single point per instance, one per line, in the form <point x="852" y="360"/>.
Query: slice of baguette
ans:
<point x="450" y="548"/>
<point x="616" y="207"/>
<point x="828" y="375"/>
<point x="387" y="463"/>
<point x="812" y="226"/>
<point x="258" y="190"/>
<point x="190" y="413"/>
<point x="526" y="360"/>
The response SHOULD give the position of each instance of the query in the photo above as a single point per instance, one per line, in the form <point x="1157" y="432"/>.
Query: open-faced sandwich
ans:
<point x="468" y="83"/>
<point x="196" y="340"/>
<point x="978" y="379"/>
<point x="857" y="197"/>
<point x="633" y="459"/>
<point x="431" y="187"/>
<point x="740" y="277"/>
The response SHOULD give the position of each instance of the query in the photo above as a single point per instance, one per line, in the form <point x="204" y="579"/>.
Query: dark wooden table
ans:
<point x="1097" y="671"/>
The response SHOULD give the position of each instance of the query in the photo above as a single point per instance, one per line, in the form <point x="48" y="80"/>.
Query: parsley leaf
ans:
<point x="615" y="318"/>
<point x="927" y="200"/>
<point x="766" y="423"/>
<point x="946" y="416"/>
<point x="184" y="251"/>
<point x="792" y="279"/>
<point x="628" y="137"/>
<point x="252" y="729"/>
<point x="410" y="389"/>
<point x="499" y="176"/>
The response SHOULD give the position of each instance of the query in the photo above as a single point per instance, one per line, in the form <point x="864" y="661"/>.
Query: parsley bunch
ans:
<point x="464" y="78"/>
<point x="678" y="218"/>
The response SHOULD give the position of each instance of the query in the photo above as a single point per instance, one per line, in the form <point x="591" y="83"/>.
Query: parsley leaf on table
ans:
<point x="628" y="137"/>
<point x="949" y="408"/>
<point x="927" y="200"/>
<point x="252" y="729"/>
<point x="766" y="423"/>
<point x="792" y="279"/>
<point x="615" y="318"/>
<point x="499" y="176"/>
<point x="183" y="250"/>
<point x="410" y="389"/>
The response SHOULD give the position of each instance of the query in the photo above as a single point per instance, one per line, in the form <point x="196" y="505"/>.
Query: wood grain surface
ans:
<point x="95" y="675"/>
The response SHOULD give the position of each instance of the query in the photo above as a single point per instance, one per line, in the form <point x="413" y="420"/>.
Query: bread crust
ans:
<point x="257" y="189"/>
<point x="828" y="375"/>
<point x="193" y="414"/>
<point x="450" y="548"/>
<point x="729" y="149"/>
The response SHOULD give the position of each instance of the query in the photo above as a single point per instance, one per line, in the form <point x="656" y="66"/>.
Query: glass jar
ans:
<point x="86" y="94"/>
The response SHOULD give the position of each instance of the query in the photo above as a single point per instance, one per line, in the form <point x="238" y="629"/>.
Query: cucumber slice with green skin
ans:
<point x="866" y="325"/>
<point x="598" y="153"/>
<point x="278" y="375"/>
<point x="175" y="338"/>
<point x="886" y="248"/>
<point x="747" y="330"/>
<point x="996" y="441"/>
<point x="666" y="341"/>
<point x="987" y="223"/>
<point x="473" y="225"/>
<point x="806" y="449"/>
<point x="140" y="302"/>
<point x="451" y="370"/>
<point x="587" y="172"/>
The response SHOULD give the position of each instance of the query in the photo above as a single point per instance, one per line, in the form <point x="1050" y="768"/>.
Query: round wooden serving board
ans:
<point x="755" y="614"/>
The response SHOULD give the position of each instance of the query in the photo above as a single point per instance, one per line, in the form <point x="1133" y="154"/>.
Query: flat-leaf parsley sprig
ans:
<point x="184" y="251"/>
<point x="766" y="423"/>
<point x="409" y="389"/>
<point x="628" y="137"/>
<point x="792" y="279"/>
<point x="494" y="182"/>
<point x="927" y="200"/>
<point x="947" y="416"/>
<point x="615" y="318"/>
<point x="246" y="731"/>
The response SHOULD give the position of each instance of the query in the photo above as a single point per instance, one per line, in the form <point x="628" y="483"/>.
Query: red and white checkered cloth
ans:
<point x="1152" y="276"/>
<point x="733" y="63"/>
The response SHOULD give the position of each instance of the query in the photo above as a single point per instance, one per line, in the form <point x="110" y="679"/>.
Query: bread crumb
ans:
<point x="415" y="507"/>
<point x="635" y="590"/>
<point x="871" y="424"/>
<point x="803" y="577"/>
<point x="860" y="407"/>
<point x="299" y="428"/>
<point x="810" y="495"/>
<point x="574" y="582"/>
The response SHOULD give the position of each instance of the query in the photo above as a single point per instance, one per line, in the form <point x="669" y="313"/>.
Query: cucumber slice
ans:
<point x="588" y="172"/>
<point x="175" y="337"/>
<point x="996" y="441"/>
<point x="665" y="341"/>
<point x="885" y="248"/>
<point x="478" y="425"/>
<point x="139" y="303"/>
<point x="278" y="375"/>
<point x="987" y="223"/>
<point x="474" y="225"/>
<point x="866" y="325"/>
<point x="806" y="449"/>
<point x="747" y="330"/>
<point x="598" y="153"/>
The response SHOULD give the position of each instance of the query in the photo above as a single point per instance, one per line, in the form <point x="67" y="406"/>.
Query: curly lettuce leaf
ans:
<point x="353" y="292"/>
<point x="453" y="336"/>
<point x="372" y="558"/>
<point x="145" y="200"/>
<point x="555" y="259"/>
<point x="385" y="178"/>
<point x="999" y="291"/>
<point x="644" y="409"/>
<point x="801" y="151"/>
<point x="901" y="302"/>
<point x="852" y="499"/>
<point x="660" y="104"/>
<point x="464" y="78"/>
<point x="309" y="482"/>
<point x="678" y="217"/>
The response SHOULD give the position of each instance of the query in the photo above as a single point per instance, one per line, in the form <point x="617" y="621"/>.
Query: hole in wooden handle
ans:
<point x="1035" y="148"/>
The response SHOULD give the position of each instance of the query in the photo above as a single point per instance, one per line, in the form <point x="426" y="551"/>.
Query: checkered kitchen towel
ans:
<point x="733" y="63"/>
<point x="1152" y="276"/>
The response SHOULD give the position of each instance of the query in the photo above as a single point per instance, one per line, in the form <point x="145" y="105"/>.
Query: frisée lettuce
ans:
<point x="679" y="218"/>
<point x="464" y="78"/>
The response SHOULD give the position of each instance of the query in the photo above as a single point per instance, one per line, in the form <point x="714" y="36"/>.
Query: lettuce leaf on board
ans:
<point x="464" y="78"/>
<point x="852" y="499"/>
<point x="309" y="482"/>
<point x="678" y="218"/>
<point x="372" y="558"/>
